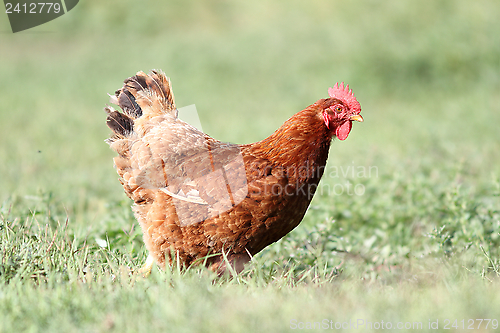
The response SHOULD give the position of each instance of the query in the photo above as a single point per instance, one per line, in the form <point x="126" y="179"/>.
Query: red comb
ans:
<point x="345" y="95"/>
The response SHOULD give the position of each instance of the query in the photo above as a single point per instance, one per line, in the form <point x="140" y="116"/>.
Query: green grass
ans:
<point x="421" y="242"/>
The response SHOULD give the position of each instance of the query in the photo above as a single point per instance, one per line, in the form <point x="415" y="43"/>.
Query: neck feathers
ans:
<point x="300" y="145"/>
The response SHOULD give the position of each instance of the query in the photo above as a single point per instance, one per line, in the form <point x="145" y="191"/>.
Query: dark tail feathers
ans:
<point x="141" y="94"/>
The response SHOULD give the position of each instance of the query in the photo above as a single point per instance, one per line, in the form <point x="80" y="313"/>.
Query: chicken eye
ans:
<point x="338" y="109"/>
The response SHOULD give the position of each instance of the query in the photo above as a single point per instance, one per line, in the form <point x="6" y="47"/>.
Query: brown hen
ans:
<point x="195" y="197"/>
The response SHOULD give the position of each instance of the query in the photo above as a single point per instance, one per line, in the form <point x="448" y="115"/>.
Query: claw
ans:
<point x="145" y="270"/>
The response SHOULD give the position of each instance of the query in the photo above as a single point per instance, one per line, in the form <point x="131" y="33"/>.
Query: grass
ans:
<point x="419" y="242"/>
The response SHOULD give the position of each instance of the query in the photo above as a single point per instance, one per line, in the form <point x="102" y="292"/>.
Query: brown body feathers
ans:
<point x="195" y="196"/>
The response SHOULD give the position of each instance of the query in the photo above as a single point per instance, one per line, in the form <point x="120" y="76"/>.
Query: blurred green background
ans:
<point x="426" y="74"/>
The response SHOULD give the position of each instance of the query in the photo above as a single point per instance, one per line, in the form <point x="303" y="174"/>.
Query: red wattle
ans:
<point x="343" y="130"/>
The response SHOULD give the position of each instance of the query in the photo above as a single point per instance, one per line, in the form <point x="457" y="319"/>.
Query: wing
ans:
<point x="203" y="176"/>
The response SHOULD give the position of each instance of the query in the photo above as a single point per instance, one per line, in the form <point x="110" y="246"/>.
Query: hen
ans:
<point x="199" y="200"/>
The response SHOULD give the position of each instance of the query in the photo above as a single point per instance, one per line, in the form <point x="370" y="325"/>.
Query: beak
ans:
<point x="356" y="117"/>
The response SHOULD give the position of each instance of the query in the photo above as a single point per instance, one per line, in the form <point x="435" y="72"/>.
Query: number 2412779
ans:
<point x="33" y="8"/>
<point x="470" y="324"/>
